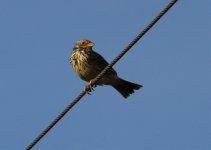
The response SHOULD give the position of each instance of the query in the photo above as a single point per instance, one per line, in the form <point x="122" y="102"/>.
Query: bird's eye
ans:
<point x="83" y="43"/>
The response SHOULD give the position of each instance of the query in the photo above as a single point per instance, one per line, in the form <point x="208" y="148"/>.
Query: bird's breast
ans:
<point x="81" y="65"/>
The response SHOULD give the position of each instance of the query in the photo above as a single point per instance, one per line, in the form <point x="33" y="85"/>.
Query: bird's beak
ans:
<point x="90" y="45"/>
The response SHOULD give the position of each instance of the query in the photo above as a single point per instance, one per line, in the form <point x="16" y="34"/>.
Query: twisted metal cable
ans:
<point x="51" y="125"/>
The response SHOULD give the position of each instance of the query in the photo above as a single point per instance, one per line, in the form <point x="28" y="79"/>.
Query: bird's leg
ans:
<point x="89" y="88"/>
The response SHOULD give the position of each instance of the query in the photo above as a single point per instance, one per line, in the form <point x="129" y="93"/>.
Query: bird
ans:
<point x="87" y="64"/>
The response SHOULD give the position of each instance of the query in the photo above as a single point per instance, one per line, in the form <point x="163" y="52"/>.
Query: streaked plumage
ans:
<point x="88" y="64"/>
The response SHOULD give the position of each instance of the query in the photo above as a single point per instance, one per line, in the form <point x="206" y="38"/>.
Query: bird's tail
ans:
<point x="125" y="88"/>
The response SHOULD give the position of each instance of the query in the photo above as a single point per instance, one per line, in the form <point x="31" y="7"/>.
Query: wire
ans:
<point x="51" y="125"/>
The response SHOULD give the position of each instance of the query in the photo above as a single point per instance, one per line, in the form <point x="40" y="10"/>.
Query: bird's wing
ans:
<point x="100" y="62"/>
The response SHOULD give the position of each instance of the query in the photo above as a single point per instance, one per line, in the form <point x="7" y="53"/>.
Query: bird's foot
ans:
<point x="89" y="88"/>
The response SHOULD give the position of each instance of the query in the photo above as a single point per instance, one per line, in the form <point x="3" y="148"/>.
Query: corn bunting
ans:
<point x="87" y="64"/>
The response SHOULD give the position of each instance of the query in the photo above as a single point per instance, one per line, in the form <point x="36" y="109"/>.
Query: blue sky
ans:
<point x="172" y="61"/>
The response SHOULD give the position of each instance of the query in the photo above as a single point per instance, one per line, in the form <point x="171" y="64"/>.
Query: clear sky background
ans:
<point x="172" y="61"/>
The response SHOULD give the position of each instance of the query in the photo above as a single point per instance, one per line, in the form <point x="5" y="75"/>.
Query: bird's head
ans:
<point x="83" y="44"/>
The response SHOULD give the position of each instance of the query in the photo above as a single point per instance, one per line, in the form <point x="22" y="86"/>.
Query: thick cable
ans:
<point x="51" y="125"/>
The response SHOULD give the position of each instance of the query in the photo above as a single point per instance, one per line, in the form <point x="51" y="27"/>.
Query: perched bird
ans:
<point x="87" y="64"/>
